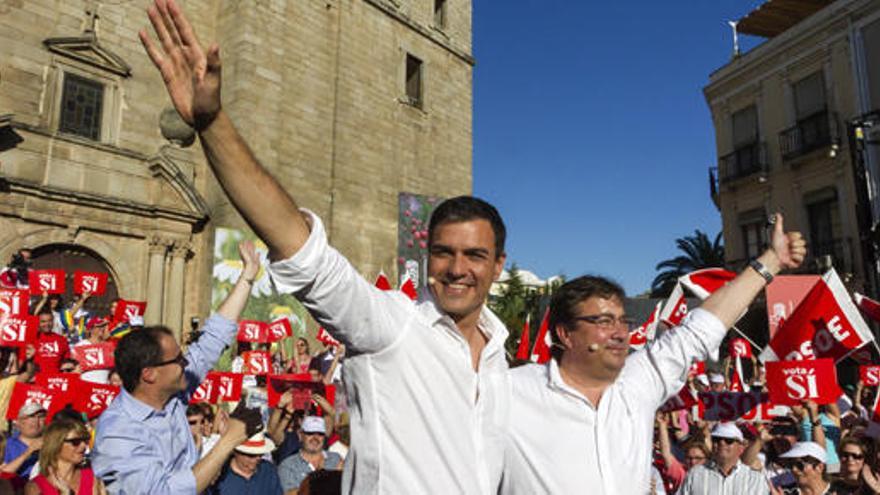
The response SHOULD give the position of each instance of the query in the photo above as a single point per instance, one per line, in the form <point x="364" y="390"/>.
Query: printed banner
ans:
<point x="325" y="338"/>
<point x="126" y="310"/>
<point x="302" y="386"/>
<point x="740" y="347"/>
<point x="792" y="382"/>
<point x="645" y="333"/>
<point x="784" y="294"/>
<point x="705" y="281"/>
<point x="280" y="330"/>
<point x="675" y="308"/>
<point x="205" y="391"/>
<point x="63" y="383"/>
<point x="684" y="399"/>
<point x="257" y="363"/>
<point x="94" y="356"/>
<point x="697" y="368"/>
<point x="94" y="398"/>
<point x="253" y="331"/>
<point x="738" y="406"/>
<point x="93" y="283"/>
<point x="23" y="393"/>
<point x="18" y="331"/>
<point x="14" y="302"/>
<point x="48" y="281"/>
<point x="870" y="375"/>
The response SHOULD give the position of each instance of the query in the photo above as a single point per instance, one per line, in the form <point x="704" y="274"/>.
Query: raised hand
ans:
<point x="789" y="247"/>
<point x="250" y="259"/>
<point x="191" y="75"/>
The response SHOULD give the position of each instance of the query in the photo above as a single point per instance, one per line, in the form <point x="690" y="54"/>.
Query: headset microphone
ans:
<point x="594" y="347"/>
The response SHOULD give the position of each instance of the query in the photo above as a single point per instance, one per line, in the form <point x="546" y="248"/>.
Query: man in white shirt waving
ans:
<point x="424" y="380"/>
<point x="585" y="420"/>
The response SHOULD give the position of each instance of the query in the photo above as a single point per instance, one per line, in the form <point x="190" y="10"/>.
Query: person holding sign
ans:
<point x="436" y="365"/>
<point x="51" y="347"/>
<point x="595" y="402"/>
<point x="143" y="442"/>
<point x="725" y="473"/>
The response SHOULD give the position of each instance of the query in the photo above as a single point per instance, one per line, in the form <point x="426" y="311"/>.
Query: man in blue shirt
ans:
<point x="23" y="447"/>
<point x="247" y="473"/>
<point x="143" y="442"/>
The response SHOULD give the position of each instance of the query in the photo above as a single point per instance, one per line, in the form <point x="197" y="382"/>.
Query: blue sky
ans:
<point x="591" y="133"/>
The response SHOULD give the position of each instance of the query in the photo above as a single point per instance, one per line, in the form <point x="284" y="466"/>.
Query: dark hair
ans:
<point x="566" y="298"/>
<point x="136" y="351"/>
<point x="46" y="311"/>
<point x="195" y="409"/>
<point x="323" y="482"/>
<point x="464" y="209"/>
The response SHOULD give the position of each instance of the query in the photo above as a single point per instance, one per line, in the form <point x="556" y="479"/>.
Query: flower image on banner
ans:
<point x="412" y="236"/>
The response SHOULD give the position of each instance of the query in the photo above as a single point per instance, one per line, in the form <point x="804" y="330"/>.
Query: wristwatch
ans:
<point x="762" y="270"/>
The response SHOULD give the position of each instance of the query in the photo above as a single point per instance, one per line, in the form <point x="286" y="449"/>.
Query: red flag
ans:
<point x="784" y="294"/>
<point x="14" y="302"/>
<point x="791" y="382"/>
<point x="870" y="375"/>
<point x="868" y="306"/>
<point x="126" y="310"/>
<point x="522" y="352"/>
<point x="49" y="281"/>
<point x="740" y="347"/>
<point x="639" y="337"/>
<point x="684" y="399"/>
<point x="382" y="282"/>
<point x="18" y="331"/>
<point x="543" y="342"/>
<point x="94" y="356"/>
<point x="252" y="331"/>
<point x="257" y="362"/>
<point x="23" y="393"/>
<point x="279" y="329"/>
<point x="737" y="384"/>
<point x="697" y="368"/>
<point x="825" y="324"/>
<point x="325" y="338"/>
<point x="92" y="282"/>
<point x="706" y="281"/>
<point x="675" y="307"/>
<point x="409" y="288"/>
<point x="93" y="398"/>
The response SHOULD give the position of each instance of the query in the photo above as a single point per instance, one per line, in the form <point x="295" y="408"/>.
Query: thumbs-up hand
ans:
<point x="789" y="247"/>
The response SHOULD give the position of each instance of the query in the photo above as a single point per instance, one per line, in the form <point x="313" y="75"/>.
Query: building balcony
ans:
<point x="744" y="161"/>
<point x="811" y="133"/>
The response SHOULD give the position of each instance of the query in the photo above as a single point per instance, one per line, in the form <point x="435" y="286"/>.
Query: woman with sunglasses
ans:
<point x="61" y="462"/>
<point x="851" y="452"/>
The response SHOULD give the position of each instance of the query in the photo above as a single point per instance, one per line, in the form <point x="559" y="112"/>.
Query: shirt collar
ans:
<point x="488" y="323"/>
<point x="137" y="409"/>
<point x="554" y="380"/>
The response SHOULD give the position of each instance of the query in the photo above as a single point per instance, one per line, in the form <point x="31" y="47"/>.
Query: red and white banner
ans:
<point x="697" y="368"/>
<point x="253" y="331"/>
<point x="62" y="383"/>
<point x="738" y="406"/>
<point x="740" y="347"/>
<point x="14" y="302"/>
<point x="868" y="306"/>
<point x="205" y="391"/>
<point x="684" y="399"/>
<point x="257" y="363"/>
<point x="645" y="332"/>
<point x="126" y="310"/>
<point x="23" y="393"/>
<point x="784" y="294"/>
<point x="702" y="283"/>
<point x="94" y="398"/>
<point x="408" y="287"/>
<point x="382" y="282"/>
<point x="48" y="281"/>
<point x="675" y="308"/>
<point x="92" y="282"/>
<point x="870" y="375"/>
<point x="825" y="324"/>
<point x="792" y="382"/>
<point x="522" y="351"/>
<point x="94" y="356"/>
<point x="279" y="330"/>
<point x="218" y="387"/>
<point x="541" y="350"/>
<point x="18" y="331"/>
<point x="302" y="388"/>
<point x="325" y="338"/>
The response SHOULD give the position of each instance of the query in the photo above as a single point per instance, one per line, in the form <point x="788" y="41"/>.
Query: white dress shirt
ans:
<point x="707" y="479"/>
<point x="560" y="443"/>
<point x="422" y="420"/>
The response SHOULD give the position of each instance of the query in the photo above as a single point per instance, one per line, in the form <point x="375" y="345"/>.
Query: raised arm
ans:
<point x="192" y="78"/>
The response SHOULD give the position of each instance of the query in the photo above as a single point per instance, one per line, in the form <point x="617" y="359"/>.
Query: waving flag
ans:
<point x="675" y="307"/>
<point x="868" y="306"/>
<point x="541" y="351"/>
<point x="523" y="351"/>
<point x="408" y="287"/>
<point x="640" y="337"/>
<point x="706" y="281"/>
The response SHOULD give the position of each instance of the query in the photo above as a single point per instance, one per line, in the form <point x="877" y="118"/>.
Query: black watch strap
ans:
<point x="762" y="270"/>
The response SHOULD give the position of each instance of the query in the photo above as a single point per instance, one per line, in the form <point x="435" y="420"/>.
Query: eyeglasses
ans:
<point x="726" y="441"/>
<point x="607" y="322"/>
<point x="850" y="455"/>
<point x="76" y="442"/>
<point x="800" y="465"/>
<point x="180" y="359"/>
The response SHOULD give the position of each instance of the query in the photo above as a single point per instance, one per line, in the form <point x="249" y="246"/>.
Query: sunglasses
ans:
<point x="180" y="359"/>
<point x="76" y="442"/>
<point x="851" y="455"/>
<point x="726" y="441"/>
<point x="800" y="465"/>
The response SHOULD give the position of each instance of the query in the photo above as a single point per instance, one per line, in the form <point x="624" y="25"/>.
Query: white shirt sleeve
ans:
<point x="363" y="317"/>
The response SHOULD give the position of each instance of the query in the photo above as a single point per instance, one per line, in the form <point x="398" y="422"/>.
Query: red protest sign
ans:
<point x="792" y="382"/>
<point x="325" y="338"/>
<point x="252" y="331"/>
<point x="227" y="387"/>
<point x="279" y="330"/>
<point x="257" y="363"/>
<point x="94" y="356"/>
<point x="205" y="391"/>
<point x="94" y="398"/>
<point x="14" y="302"/>
<point x="870" y="375"/>
<point x="126" y="310"/>
<point x="736" y="406"/>
<point x="49" y="281"/>
<point x="58" y="382"/>
<point x="91" y="282"/>
<point x="18" y="331"/>
<point x="825" y="324"/>
<point x="784" y="294"/>
<point x="741" y="348"/>
<point x="301" y="386"/>
<point x="23" y="393"/>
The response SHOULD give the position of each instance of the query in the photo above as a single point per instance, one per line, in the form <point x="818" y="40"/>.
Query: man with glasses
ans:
<point x="311" y="456"/>
<point x="586" y="418"/>
<point x="143" y="442"/>
<point x="23" y="447"/>
<point x="725" y="473"/>
<point x="807" y="463"/>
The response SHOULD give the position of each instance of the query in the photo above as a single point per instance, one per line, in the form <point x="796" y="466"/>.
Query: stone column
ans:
<point x="174" y="304"/>
<point x="155" y="281"/>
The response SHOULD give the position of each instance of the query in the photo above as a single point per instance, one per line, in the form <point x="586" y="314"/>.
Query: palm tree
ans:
<point x="698" y="251"/>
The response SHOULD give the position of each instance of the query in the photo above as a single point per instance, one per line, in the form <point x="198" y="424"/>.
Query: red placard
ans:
<point x="93" y="398"/>
<point x="23" y="393"/>
<point x="791" y="382"/>
<point x="94" y="356"/>
<point x="48" y="281"/>
<point x="63" y="383"/>
<point x="91" y="282"/>
<point x="280" y="330"/>
<point x="228" y="387"/>
<point x="784" y="294"/>
<point x="325" y="338"/>
<point x="870" y="375"/>
<point x="126" y="310"/>
<point x="740" y="347"/>
<point x="253" y="331"/>
<point x="302" y="386"/>
<point x="257" y="363"/>
<point x="14" y="302"/>
<point x="205" y="391"/>
<point x="18" y="331"/>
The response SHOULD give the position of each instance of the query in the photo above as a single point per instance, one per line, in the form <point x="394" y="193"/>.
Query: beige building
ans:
<point x="783" y="115"/>
<point x="347" y="102"/>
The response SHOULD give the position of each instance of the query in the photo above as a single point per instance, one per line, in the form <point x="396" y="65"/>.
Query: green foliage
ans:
<point x="699" y="252"/>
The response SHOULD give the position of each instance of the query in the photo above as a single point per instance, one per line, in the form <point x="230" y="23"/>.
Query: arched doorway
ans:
<point x="70" y="258"/>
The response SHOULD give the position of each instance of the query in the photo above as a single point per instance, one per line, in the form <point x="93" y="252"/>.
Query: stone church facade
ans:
<point x="346" y="102"/>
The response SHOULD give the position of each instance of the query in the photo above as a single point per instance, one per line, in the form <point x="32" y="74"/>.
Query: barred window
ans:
<point x="82" y="102"/>
<point x="414" y="80"/>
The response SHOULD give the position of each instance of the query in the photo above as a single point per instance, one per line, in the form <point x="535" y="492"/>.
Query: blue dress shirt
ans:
<point x="139" y="449"/>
